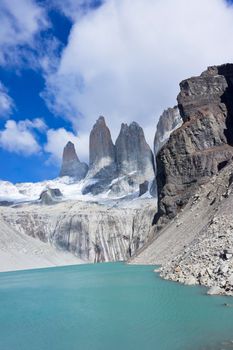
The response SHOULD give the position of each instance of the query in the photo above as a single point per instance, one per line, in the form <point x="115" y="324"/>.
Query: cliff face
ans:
<point x="196" y="247"/>
<point x="102" y="164"/>
<point x="71" y="165"/>
<point x="133" y="154"/>
<point x="202" y="146"/>
<point x="134" y="159"/>
<point x="102" y="152"/>
<point x="120" y="168"/>
<point x="168" y="122"/>
<point x="91" y="231"/>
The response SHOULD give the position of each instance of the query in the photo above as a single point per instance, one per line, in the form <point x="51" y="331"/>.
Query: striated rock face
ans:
<point x="91" y="231"/>
<point x="71" y="165"/>
<point x="134" y="158"/>
<point x="202" y="146"/>
<point x="168" y="122"/>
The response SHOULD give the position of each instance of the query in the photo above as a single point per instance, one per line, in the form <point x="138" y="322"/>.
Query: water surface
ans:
<point x="108" y="307"/>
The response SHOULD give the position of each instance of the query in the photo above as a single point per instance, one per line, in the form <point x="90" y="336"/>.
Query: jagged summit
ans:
<point x="69" y="152"/>
<point x="71" y="165"/>
<point x="133" y="154"/>
<point x="101" y="147"/>
<point x="122" y="167"/>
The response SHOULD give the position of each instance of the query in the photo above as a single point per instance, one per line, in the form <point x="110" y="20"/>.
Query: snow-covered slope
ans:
<point x="29" y="191"/>
<point x="70" y="189"/>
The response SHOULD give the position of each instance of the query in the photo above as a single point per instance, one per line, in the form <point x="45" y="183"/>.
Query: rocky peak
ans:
<point x="69" y="153"/>
<point x="118" y="169"/>
<point x="133" y="154"/>
<point x="102" y="152"/>
<point x="71" y="165"/>
<point x="202" y="146"/>
<point x="168" y="122"/>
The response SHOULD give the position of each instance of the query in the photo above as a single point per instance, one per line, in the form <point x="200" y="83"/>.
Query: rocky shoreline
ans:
<point x="193" y="228"/>
<point x="206" y="258"/>
<point x="208" y="261"/>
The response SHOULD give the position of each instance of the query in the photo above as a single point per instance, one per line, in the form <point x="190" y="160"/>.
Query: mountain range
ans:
<point x="170" y="207"/>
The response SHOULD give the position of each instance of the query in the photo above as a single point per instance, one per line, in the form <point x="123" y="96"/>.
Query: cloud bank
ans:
<point x="58" y="138"/>
<point x="74" y="9"/>
<point x="20" y="137"/>
<point x="21" y="23"/>
<point x="125" y="59"/>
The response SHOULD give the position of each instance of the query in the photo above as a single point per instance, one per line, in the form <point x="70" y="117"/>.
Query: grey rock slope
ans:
<point x="196" y="247"/>
<point x="90" y="231"/>
<point x="202" y="146"/>
<point x="71" y="165"/>
<point x="168" y="122"/>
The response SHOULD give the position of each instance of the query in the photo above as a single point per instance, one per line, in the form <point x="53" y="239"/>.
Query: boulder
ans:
<point x="50" y="196"/>
<point x="215" y="290"/>
<point x="143" y="188"/>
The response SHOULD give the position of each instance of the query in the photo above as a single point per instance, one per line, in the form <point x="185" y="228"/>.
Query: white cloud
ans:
<point x="73" y="9"/>
<point x="126" y="59"/>
<point x="37" y="124"/>
<point x="6" y="102"/>
<point x="20" y="22"/>
<point x="19" y="137"/>
<point x="58" y="138"/>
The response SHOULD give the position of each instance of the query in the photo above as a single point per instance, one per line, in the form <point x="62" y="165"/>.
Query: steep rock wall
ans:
<point x="91" y="231"/>
<point x="202" y="146"/>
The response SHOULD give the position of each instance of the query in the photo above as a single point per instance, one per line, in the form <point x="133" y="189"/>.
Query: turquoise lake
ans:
<point x="108" y="307"/>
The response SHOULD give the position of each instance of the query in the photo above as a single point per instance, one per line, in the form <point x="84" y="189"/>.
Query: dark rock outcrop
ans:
<point x="50" y="196"/>
<point x="202" y="146"/>
<point x="71" y="165"/>
<point x="168" y="122"/>
<point x="143" y="188"/>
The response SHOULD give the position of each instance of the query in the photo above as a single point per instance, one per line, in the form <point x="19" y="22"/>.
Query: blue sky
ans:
<point x="24" y="86"/>
<point x="65" y="62"/>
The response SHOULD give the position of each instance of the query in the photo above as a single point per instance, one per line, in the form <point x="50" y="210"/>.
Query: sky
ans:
<point x="65" y="62"/>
